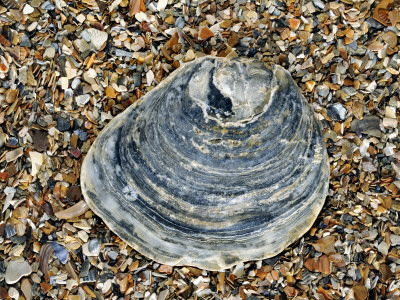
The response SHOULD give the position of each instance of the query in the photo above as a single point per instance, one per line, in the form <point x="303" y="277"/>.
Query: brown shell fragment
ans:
<point x="44" y="257"/>
<point x="381" y="12"/>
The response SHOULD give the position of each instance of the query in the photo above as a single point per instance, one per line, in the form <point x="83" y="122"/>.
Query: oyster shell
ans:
<point x="222" y="162"/>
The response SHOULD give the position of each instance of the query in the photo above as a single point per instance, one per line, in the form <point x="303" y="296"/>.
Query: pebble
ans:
<point x="113" y="255"/>
<point x="40" y="141"/>
<point x="319" y="4"/>
<point x="82" y="135"/>
<point x="27" y="9"/>
<point x="91" y="248"/>
<point x="63" y="124"/>
<point x="48" y="6"/>
<point x="179" y="22"/>
<point x="13" y="293"/>
<point x="94" y="246"/>
<point x="16" y="270"/>
<point x="337" y="112"/>
<point x="190" y="55"/>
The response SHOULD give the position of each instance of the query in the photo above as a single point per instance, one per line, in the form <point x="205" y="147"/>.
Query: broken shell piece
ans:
<point x="97" y="38"/>
<point x="381" y="12"/>
<point x="4" y="67"/>
<point x="223" y="162"/>
<point x="16" y="270"/>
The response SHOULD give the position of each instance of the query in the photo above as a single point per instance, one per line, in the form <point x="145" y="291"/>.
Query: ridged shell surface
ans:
<point x="223" y="162"/>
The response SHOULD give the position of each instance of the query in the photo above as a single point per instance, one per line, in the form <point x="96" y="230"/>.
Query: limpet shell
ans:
<point x="223" y="162"/>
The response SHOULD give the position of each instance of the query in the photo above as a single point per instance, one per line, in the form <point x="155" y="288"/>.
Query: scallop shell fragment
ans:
<point x="97" y="38"/>
<point x="221" y="163"/>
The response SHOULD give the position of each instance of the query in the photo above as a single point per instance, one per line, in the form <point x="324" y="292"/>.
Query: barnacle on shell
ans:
<point x="222" y="162"/>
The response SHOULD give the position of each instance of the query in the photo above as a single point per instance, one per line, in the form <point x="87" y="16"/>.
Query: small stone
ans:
<point x="190" y="55"/>
<point x="163" y="294"/>
<point x="91" y="248"/>
<point x="113" y="255"/>
<point x="62" y="124"/>
<point x="74" y="193"/>
<point x="46" y="286"/>
<point x="36" y="3"/>
<point x="319" y="4"/>
<point x="206" y="33"/>
<point x="25" y="41"/>
<point x="82" y="100"/>
<point x="3" y="138"/>
<point x="16" y="270"/>
<point x="27" y="9"/>
<point x="49" y="53"/>
<point x="123" y="53"/>
<point x="82" y="135"/>
<point x="179" y="22"/>
<point x="40" y="141"/>
<point x="13" y="293"/>
<point x="337" y="112"/>
<point x="169" y="20"/>
<point x="360" y="292"/>
<point x="94" y="245"/>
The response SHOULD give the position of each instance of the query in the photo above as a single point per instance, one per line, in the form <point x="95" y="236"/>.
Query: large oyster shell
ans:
<point x="222" y="162"/>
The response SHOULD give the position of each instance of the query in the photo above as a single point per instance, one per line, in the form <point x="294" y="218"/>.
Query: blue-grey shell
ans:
<point x="222" y="162"/>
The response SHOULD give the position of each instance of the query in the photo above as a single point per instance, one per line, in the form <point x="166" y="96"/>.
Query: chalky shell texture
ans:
<point x="221" y="163"/>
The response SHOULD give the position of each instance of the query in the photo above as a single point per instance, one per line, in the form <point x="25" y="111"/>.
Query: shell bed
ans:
<point x="222" y="162"/>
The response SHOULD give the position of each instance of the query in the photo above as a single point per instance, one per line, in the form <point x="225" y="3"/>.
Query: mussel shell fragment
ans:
<point x="223" y="162"/>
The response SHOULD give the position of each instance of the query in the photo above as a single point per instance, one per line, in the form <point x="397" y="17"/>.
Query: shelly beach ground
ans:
<point x="68" y="67"/>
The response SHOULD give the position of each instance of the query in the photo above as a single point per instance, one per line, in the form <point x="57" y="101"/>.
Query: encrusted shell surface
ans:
<point x="223" y="162"/>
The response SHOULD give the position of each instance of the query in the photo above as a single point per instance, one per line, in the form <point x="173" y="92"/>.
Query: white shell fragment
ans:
<point x="16" y="270"/>
<point x="221" y="163"/>
<point x="97" y="38"/>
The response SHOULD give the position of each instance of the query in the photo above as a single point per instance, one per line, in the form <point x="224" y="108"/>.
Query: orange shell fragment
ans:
<point x="381" y="12"/>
